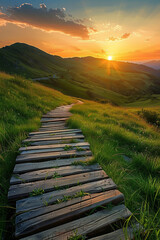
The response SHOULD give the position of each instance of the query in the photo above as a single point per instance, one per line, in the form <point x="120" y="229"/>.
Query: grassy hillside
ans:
<point x="128" y="149"/>
<point x="21" y="106"/>
<point x="90" y="78"/>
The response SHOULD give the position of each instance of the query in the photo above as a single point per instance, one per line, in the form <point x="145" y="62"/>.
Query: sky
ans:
<point x="124" y="29"/>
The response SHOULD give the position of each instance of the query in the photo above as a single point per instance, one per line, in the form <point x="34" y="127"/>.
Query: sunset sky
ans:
<point x="124" y="29"/>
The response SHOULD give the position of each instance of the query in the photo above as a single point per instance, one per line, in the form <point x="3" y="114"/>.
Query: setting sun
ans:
<point x="110" y="58"/>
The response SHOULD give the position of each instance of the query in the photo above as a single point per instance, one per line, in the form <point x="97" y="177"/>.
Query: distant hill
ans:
<point x="88" y="77"/>
<point x="153" y="64"/>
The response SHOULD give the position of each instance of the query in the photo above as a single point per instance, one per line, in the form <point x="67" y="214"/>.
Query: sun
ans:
<point x="109" y="58"/>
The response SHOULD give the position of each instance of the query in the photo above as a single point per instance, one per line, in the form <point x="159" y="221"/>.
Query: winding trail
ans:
<point x="57" y="193"/>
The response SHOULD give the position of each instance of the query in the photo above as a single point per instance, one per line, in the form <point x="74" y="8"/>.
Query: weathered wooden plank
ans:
<point x="49" y="173"/>
<point x="56" y="131"/>
<point x="53" y="124"/>
<point x="52" y="148"/>
<point x="57" y="115"/>
<point x="53" y="138"/>
<point x="23" y="190"/>
<point x="60" y="149"/>
<point x="38" y="157"/>
<point x="28" y="167"/>
<point x="66" y="214"/>
<point x="51" y="135"/>
<point x="53" y="120"/>
<point x="57" y="141"/>
<point x="42" y="129"/>
<point x="120" y="234"/>
<point x="67" y="133"/>
<point x="87" y="226"/>
<point x="113" y="195"/>
<point x="36" y="202"/>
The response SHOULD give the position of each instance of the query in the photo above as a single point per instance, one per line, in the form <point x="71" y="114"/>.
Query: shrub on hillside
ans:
<point x="150" y="116"/>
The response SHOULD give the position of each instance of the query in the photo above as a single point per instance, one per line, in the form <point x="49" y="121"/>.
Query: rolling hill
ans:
<point x="153" y="64"/>
<point x="88" y="77"/>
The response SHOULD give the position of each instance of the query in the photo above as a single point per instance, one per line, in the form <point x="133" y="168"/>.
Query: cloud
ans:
<point x="47" y="19"/>
<point x="124" y="36"/>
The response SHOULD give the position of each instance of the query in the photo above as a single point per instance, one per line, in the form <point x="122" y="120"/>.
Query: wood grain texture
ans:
<point x="120" y="234"/>
<point x="87" y="226"/>
<point x="28" y="167"/>
<point x="44" y="120"/>
<point x="66" y="214"/>
<point x="38" y="157"/>
<point x="52" y="148"/>
<point x="56" y="131"/>
<point x="49" y="173"/>
<point x="23" y="190"/>
<point x="47" y="209"/>
<point x="36" y="202"/>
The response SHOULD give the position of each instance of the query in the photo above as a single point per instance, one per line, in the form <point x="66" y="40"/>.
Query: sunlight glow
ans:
<point x="109" y="58"/>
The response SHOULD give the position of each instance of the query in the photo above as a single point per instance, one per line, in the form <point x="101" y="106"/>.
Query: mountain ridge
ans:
<point x="86" y="77"/>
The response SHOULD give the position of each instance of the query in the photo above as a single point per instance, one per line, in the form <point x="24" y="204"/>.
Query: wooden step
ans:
<point x="53" y="148"/>
<point x="51" y="172"/>
<point x="58" y="141"/>
<point x="44" y="120"/>
<point x="53" y="138"/>
<point x="38" y="157"/>
<point x="23" y="190"/>
<point x="36" y="202"/>
<point x="67" y="214"/>
<point x="28" y="167"/>
<point x="56" y="132"/>
<point x="42" y="129"/>
<point x="114" y="196"/>
<point x="120" y="234"/>
<point x="51" y="135"/>
<point x="87" y="226"/>
<point x="57" y="115"/>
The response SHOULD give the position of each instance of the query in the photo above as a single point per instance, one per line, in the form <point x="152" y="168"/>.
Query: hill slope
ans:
<point x="21" y="106"/>
<point x="153" y="64"/>
<point x="88" y="77"/>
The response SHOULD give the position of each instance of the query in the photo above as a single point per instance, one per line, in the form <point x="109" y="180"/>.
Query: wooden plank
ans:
<point x="52" y="138"/>
<point x="68" y="131"/>
<point x="66" y="214"/>
<point x="113" y="195"/>
<point x="23" y="190"/>
<point x="57" y="115"/>
<point x="53" y="124"/>
<point x="41" y="129"/>
<point x="49" y="173"/>
<point x="53" y="120"/>
<point x="56" y="141"/>
<point x="28" y="167"/>
<point x="87" y="226"/>
<point x="120" y="234"/>
<point x="60" y="149"/>
<point x="38" y="157"/>
<point x="56" y="131"/>
<point x="56" y="147"/>
<point x="36" y="202"/>
<point x="51" y="135"/>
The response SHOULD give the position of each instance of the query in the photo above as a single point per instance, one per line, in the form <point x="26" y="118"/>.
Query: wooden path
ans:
<point x="57" y="195"/>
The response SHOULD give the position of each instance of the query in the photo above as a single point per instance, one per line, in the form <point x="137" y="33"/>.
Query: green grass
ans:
<point x="128" y="149"/>
<point x="21" y="107"/>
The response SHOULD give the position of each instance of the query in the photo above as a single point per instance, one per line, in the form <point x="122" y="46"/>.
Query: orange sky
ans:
<point x="123" y="34"/>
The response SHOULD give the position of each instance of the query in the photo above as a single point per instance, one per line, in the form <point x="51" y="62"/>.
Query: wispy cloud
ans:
<point x="47" y="19"/>
<point x="124" y="36"/>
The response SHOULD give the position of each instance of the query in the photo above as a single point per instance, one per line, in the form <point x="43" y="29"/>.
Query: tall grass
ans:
<point x="22" y="103"/>
<point x="128" y="149"/>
